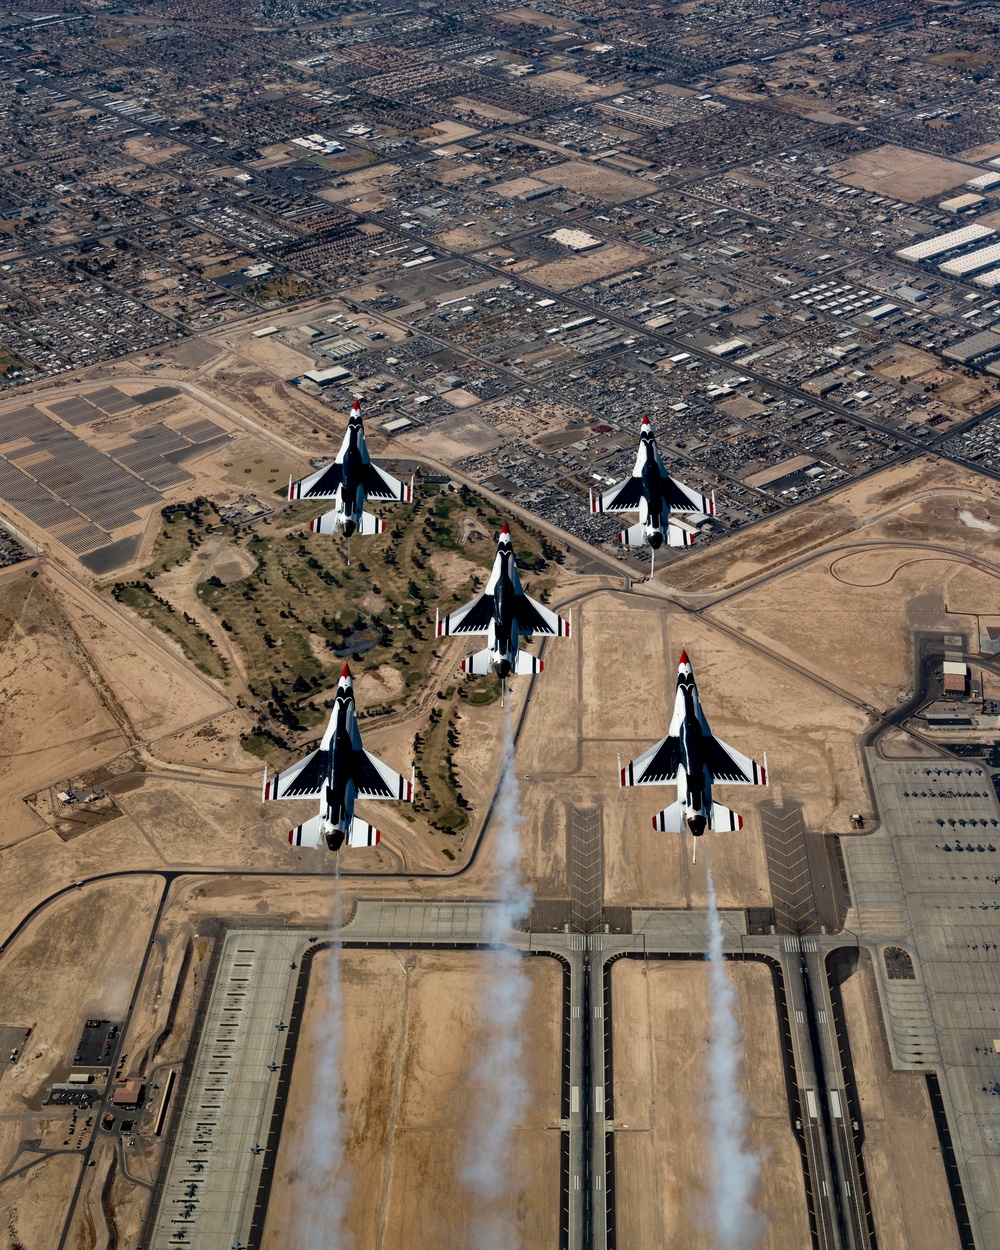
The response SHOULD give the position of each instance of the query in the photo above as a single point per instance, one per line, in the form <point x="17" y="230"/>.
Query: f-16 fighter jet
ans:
<point x="337" y="773"/>
<point x="350" y="480"/>
<point x="656" y="496"/>
<point x="692" y="758"/>
<point x="507" y="616"/>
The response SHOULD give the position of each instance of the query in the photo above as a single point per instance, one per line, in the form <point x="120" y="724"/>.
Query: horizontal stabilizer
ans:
<point x="678" y="537"/>
<point x="634" y="536"/>
<point x="671" y="819"/>
<point x="725" y="820"/>
<point x="480" y="664"/>
<point x="527" y="664"/>
<point x="309" y="834"/>
<point x="362" y="833"/>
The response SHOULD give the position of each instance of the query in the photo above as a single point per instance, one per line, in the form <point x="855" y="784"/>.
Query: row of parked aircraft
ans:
<point x="340" y="770"/>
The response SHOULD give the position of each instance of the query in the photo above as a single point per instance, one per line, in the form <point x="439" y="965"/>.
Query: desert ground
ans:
<point x="899" y="172"/>
<point x="409" y="1118"/>
<point x="802" y="621"/>
<point x="660" y="1041"/>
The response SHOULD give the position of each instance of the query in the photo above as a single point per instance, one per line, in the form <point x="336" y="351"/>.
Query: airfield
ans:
<point x="871" y="1090"/>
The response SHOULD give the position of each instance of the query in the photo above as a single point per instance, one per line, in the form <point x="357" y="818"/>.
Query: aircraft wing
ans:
<point x="304" y="780"/>
<point x="534" y="618"/>
<point x="657" y="766"/>
<point x="323" y="484"/>
<point x="376" y="780"/>
<point x="475" y="618"/>
<point x="733" y="769"/>
<point x="622" y="497"/>
<point x="382" y="485"/>
<point x="681" y="498"/>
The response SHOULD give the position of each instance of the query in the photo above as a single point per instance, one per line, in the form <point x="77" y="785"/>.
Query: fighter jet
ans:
<point x="691" y="757"/>
<point x="350" y="479"/>
<point x="507" y="616"/>
<point x="656" y="496"/>
<point x="338" y="772"/>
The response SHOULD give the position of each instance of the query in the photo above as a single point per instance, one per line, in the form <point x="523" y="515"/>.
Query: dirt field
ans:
<point x="906" y="1178"/>
<point x="905" y="175"/>
<point x="576" y="85"/>
<point x="594" y="180"/>
<point x="562" y="275"/>
<point x="660" y="1045"/>
<point x="406" y="1081"/>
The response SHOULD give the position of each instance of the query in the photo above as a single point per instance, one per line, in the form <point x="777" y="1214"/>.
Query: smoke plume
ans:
<point x="734" y="1168"/>
<point x="322" y="1183"/>
<point x="501" y="1093"/>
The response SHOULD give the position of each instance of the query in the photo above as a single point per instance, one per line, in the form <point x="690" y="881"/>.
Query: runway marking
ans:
<point x="788" y="868"/>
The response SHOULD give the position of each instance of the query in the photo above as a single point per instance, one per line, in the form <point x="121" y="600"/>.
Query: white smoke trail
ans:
<point x="734" y="1168"/>
<point x="501" y="1088"/>
<point x="322" y="1185"/>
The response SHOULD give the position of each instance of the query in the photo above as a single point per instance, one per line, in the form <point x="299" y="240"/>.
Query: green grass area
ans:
<point x="185" y="526"/>
<point x="197" y="646"/>
<point x="304" y="610"/>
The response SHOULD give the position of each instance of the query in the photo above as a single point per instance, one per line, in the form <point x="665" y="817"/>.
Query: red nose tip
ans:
<point x="345" y="671"/>
<point x="684" y="658"/>
<point x="506" y="529"/>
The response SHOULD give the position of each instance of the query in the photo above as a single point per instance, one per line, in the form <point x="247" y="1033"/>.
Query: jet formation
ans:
<point x="350" y="480"/>
<point x="663" y="503"/>
<point x="693" y="759"/>
<point x="508" y="617"/>
<point x="340" y="771"/>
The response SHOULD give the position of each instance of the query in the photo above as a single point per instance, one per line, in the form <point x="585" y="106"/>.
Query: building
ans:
<point x="972" y="262"/>
<point x="575" y="240"/>
<point x="326" y="377"/>
<point x="979" y="347"/>
<point x="961" y="204"/>
<point x="929" y="248"/>
<point x="984" y="182"/>
<point x="127" y="1093"/>
<point x="956" y="677"/>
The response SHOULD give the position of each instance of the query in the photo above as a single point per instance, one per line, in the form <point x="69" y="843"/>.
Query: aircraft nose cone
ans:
<point x="349" y="528"/>
<point x="656" y="540"/>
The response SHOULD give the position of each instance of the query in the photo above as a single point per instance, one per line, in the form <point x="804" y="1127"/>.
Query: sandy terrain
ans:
<point x="594" y="180"/>
<point x="465" y="239"/>
<point x="451" y="438"/>
<point x="80" y="960"/>
<point x="905" y="175"/>
<point x="660" y="1044"/>
<point x="406" y="1088"/>
<point x="576" y="85"/>
<point x="489" y="112"/>
<point x="562" y="275"/>
<point x="906" y="1177"/>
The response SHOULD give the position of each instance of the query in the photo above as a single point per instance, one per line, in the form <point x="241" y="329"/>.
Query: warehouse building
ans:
<point x="989" y="279"/>
<point x="972" y="262"/>
<point x="980" y="346"/>
<point x="961" y="203"/>
<point x="927" y="249"/>
<point x="984" y="182"/>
